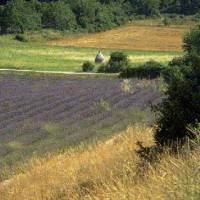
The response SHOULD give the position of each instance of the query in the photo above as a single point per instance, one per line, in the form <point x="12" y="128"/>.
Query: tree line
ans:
<point x="88" y="15"/>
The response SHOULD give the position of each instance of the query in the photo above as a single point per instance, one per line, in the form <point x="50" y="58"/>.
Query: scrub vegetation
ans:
<point x="96" y="136"/>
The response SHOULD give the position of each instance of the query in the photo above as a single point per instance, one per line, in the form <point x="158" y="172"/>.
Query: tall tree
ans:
<point x="58" y="15"/>
<point x="18" y="16"/>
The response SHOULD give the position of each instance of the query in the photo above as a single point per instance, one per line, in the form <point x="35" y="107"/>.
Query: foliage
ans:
<point x="149" y="70"/>
<point x="147" y="7"/>
<point x="118" y="61"/>
<point x="21" y="38"/>
<point x="101" y="68"/>
<point x="18" y="16"/>
<point x="166" y="21"/>
<point x="192" y="41"/>
<point x="88" y="15"/>
<point x="182" y="105"/>
<point x="177" y="61"/>
<point x="176" y="19"/>
<point x="87" y="66"/>
<point x="58" y="15"/>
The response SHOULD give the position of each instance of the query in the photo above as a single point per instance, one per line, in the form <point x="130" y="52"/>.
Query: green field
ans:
<point x="39" y="55"/>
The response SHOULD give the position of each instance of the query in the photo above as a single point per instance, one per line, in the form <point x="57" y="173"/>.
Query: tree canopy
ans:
<point x="91" y="15"/>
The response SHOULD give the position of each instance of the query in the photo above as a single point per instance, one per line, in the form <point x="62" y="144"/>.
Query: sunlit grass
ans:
<point x="108" y="170"/>
<point x="40" y="56"/>
<point x="146" y="36"/>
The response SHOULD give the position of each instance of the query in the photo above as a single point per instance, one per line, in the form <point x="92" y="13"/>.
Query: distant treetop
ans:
<point x="87" y="15"/>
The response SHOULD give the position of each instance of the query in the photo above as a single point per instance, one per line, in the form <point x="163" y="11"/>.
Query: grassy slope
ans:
<point x="102" y="171"/>
<point x="147" y="35"/>
<point x="108" y="170"/>
<point x="62" y="138"/>
<point x="54" y="137"/>
<point x="141" y="42"/>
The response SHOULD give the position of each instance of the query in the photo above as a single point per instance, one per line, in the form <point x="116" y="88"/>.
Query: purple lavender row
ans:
<point x="48" y="107"/>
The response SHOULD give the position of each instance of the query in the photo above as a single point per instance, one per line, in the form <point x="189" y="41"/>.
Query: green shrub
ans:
<point x="101" y="68"/>
<point x="182" y="105"/>
<point x="118" y="61"/>
<point x="149" y="70"/>
<point x="179" y="61"/>
<point x="21" y="38"/>
<point x="166" y="21"/>
<point x="87" y="67"/>
<point x="181" y="108"/>
<point x="192" y="41"/>
<point x="196" y="17"/>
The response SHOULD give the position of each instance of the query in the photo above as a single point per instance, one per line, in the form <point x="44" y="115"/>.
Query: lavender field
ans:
<point x="40" y="114"/>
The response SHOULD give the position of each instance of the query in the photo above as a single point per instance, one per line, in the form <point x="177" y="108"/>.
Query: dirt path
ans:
<point x="62" y="73"/>
<point x="51" y="72"/>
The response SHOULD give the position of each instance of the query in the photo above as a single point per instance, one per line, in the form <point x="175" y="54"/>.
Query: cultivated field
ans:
<point x="145" y="37"/>
<point x="89" y="136"/>
<point x="141" y="42"/>
<point x="40" y="114"/>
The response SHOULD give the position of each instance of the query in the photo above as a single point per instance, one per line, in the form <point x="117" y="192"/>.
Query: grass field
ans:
<point x="141" y="42"/>
<point x="88" y="137"/>
<point x="108" y="170"/>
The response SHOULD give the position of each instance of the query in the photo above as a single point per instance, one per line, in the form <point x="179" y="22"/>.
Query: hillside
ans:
<point x="42" y="114"/>
<point x="43" y="51"/>
<point x="135" y="36"/>
<point x="108" y="170"/>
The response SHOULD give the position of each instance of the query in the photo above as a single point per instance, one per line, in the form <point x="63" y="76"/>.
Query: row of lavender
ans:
<point x="28" y="102"/>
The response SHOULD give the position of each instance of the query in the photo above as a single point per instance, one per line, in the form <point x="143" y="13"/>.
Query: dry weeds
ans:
<point x="107" y="170"/>
<point x="132" y="37"/>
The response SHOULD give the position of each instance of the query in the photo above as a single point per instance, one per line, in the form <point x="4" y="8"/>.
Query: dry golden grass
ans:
<point x="107" y="170"/>
<point x="132" y="37"/>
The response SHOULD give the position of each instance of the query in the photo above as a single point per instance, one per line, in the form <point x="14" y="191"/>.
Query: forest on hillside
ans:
<point x="86" y="15"/>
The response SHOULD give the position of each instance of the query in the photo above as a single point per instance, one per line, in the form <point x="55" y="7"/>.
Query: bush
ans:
<point x="166" y="21"/>
<point x="118" y="61"/>
<point x="149" y="70"/>
<point x="21" y="38"/>
<point x="101" y="69"/>
<point x="182" y="105"/>
<point x="181" y="108"/>
<point x="87" y="67"/>
<point x="179" y="61"/>
<point x="192" y="41"/>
